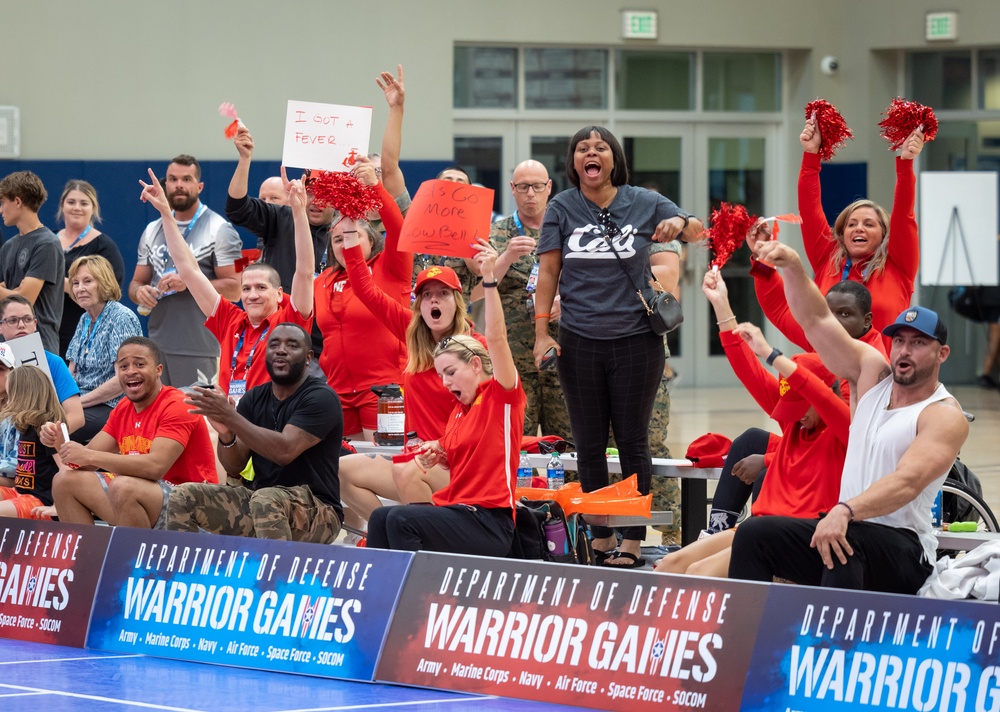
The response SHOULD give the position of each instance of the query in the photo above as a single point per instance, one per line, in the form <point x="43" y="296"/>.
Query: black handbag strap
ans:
<point x="621" y="264"/>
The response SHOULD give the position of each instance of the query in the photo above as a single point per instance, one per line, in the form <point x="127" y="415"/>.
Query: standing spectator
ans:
<point x="190" y="352"/>
<point x="31" y="264"/>
<point x="272" y="191"/>
<point x="105" y="324"/>
<point x="80" y="211"/>
<point x="17" y="319"/>
<point x="610" y="361"/>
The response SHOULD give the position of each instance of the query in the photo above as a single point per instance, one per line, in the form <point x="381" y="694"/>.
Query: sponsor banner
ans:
<point x="48" y="577"/>
<point x="576" y="635"/>
<point x="252" y="603"/>
<point x="828" y="649"/>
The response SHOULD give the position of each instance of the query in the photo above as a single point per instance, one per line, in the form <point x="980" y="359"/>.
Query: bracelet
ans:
<point x="775" y="353"/>
<point x="229" y="444"/>
<point x="490" y="285"/>
<point x="720" y="323"/>
<point x="849" y="508"/>
<point x="542" y="316"/>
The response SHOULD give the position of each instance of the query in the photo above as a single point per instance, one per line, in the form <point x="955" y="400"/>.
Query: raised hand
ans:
<point x="392" y="87"/>
<point x="153" y="194"/>
<point x="243" y="142"/>
<point x="913" y="145"/>
<point x="364" y="171"/>
<point x="810" y="137"/>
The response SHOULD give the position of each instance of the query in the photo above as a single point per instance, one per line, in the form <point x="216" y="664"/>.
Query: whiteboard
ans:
<point x="953" y="204"/>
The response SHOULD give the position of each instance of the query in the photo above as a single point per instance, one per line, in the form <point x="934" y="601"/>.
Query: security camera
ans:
<point x="829" y="65"/>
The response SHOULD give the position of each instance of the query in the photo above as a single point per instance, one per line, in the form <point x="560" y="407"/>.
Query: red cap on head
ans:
<point x="792" y="405"/>
<point x="444" y="275"/>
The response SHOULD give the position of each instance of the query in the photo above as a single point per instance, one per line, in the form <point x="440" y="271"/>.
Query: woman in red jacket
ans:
<point x="359" y="351"/>
<point x="866" y="245"/>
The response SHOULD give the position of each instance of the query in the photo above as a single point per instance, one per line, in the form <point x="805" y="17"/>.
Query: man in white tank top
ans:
<point x="905" y="433"/>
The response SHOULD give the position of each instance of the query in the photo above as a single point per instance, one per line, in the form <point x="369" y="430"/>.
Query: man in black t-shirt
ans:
<point x="32" y="264"/>
<point x="290" y="431"/>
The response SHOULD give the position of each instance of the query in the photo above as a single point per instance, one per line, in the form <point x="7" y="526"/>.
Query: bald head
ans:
<point x="273" y="191"/>
<point x="531" y="187"/>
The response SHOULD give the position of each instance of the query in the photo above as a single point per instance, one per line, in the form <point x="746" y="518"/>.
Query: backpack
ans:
<point x="976" y="303"/>
<point x="542" y="531"/>
<point x="953" y="507"/>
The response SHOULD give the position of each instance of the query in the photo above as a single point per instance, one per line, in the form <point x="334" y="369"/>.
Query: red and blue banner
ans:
<point x="254" y="603"/>
<point x="829" y="650"/>
<point x="48" y="577"/>
<point x="575" y="635"/>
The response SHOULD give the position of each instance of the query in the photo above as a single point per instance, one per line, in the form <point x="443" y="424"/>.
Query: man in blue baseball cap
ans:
<point x="906" y="432"/>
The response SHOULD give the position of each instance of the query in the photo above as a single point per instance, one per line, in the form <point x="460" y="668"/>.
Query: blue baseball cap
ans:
<point x="923" y="320"/>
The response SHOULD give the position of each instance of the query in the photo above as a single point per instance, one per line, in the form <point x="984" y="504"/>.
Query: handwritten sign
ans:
<point x="329" y="137"/>
<point x="446" y="218"/>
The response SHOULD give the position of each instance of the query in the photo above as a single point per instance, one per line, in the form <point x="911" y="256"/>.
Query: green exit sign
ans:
<point x="942" y="26"/>
<point x="639" y="24"/>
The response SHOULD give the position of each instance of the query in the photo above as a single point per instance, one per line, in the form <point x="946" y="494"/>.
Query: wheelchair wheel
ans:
<point x="987" y="520"/>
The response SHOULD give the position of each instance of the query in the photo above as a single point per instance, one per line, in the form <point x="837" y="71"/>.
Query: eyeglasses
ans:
<point x="537" y="187"/>
<point x="15" y="320"/>
<point x="610" y="226"/>
<point x="448" y="340"/>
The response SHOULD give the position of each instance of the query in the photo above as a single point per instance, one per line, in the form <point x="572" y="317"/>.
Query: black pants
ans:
<point x="456" y="529"/>
<point x="732" y="494"/>
<point x="885" y="559"/>
<point x="611" y="381"/>
<point x="94" y="419"/>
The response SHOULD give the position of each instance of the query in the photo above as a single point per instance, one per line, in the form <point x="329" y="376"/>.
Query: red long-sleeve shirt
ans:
<point x="359" y="351"/>
<point x="893" y="288"/>
<point x="803" y="478"/>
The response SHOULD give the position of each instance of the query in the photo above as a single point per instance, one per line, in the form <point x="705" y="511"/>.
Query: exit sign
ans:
<point x="942" y="26"/>
<point x="639" y="24"/>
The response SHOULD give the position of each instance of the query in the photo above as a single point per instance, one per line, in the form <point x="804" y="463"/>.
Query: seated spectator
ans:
<point x="805" y="476"/>
<point x="80" y="211"/>
<point x="31" y="402"/>
<point x="105" y="324"/>
<point x="8" y="433"/>
<point x="474" y="513"/>
<point x="906" y="432"/>
<point x="291" y="428"/>
<point x="149" y="444"/>
<point x="240" y="333"/>
<point x="17" y="319"/>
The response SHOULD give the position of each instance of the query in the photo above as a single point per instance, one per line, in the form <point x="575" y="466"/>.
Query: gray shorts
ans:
<point x="161" y="522"/>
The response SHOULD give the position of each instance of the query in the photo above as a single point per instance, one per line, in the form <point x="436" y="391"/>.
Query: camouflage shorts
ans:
<point x="287" y="513"/>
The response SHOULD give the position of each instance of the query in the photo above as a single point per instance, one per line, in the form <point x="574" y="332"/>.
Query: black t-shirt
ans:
<point x="38" y="254"/>
<point x="35" y="467"/>
<point x="314" y="408"/>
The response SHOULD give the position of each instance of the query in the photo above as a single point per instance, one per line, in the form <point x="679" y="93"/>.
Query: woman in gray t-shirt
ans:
<point x="610" y="361"/>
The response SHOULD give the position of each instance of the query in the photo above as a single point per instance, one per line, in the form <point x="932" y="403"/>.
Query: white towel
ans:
<point x="975" y="575"/>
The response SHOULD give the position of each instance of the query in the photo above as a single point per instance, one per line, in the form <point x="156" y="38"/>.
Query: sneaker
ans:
<point x="986" y="381"/>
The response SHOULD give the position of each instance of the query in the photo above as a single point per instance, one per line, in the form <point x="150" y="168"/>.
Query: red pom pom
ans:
<point x="232" y="129"/>
<point x="903" y="118"/>
<point x="832" y="128"/>
<point x="730" y="225"/>
<point x="344" y="192"/>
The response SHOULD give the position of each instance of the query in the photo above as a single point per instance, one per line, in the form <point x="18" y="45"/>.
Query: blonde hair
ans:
<point x="102" y="272"/>
<point x="465" y="348"/>
<point x="85" y="188"/>
<point x="876" y="263"/>
<point x="31" y="399"/>
<point x="420" y="344"/>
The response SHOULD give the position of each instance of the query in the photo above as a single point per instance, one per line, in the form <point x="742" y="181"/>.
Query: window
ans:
<point x="742" y="81"/>
<point x="661" y="81"/>
<point x="485" y="77"/>
<point x="942" y="80"/>
<point x="565" y="78"/>
<point x="989" y="79"/>
<point x="481" y="157"/>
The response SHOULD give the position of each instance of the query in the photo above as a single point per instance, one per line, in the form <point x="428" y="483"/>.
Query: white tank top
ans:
<point x="878" y="439"/>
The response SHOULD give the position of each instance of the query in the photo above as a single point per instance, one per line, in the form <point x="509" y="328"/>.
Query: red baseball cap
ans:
<point x="709" y="450"/>
<point x="792" y="405"/>
<point x="444" y="275"/>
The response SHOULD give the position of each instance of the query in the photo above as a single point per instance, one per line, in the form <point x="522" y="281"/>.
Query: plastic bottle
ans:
<point x="936" y="510"/>
<point x="524" y="471"/>
<point x="413" y="442"/>
<point x="391" y="420"/>
<point x="555" y="472"/>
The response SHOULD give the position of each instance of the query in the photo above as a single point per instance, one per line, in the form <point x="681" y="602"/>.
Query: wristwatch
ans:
<point x="687" y="219"/>
<point x="775" y="353"/>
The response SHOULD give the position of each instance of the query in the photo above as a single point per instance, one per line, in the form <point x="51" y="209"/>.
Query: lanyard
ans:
<point x="92" y="332"/>
<point x="517" y="223"/>
<point x="194" y="220"/>
<point x="239" y="345"/>
<point x="847" y="270"/>
<point x="79" y="237"/>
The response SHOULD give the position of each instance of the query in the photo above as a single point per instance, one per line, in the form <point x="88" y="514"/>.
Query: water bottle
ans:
<point x="936" y="510"/>
<point x="524" y="471"/>
<point x="555" y="472"/>
<point x="391" y="419"/>
<point x="413" y="442"/>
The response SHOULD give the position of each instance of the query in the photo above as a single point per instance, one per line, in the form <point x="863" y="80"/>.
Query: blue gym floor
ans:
<point x="49" y="678"/>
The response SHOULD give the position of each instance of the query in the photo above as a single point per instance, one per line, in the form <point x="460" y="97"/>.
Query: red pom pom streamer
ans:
<point x="904" y="117"/>
<point x="832" y="128"/>
<point x="228" y="110"/>
<point x="345" y="192"/>
<point x="730" y="225"/>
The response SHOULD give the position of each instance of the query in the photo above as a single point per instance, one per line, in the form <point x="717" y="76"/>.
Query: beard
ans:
<point x="295" y="371"/>
<point x="182" y="201"/>
<point x="916" y="375"/>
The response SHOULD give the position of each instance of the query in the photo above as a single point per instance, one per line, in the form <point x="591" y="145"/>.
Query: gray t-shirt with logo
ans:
<point x="598" y="301"/>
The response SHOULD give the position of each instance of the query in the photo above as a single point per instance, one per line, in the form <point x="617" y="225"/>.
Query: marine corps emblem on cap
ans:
<point x="433" y="272"/>
<point x="911" y="315"/>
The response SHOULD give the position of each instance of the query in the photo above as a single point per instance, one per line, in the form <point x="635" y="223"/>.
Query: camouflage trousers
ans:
<point x="545" y="405"/>
<point x="287" y="513"/>
<point x="666" y="491"/>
